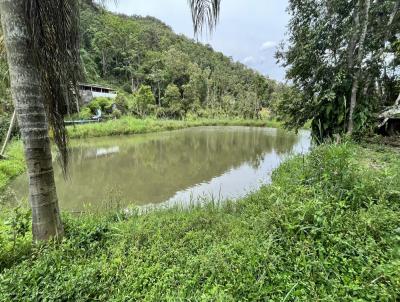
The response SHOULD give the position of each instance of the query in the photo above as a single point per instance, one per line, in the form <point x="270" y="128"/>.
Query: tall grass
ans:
<point x="130" y="125"/>
<point x="326" y="229"/>
<point x="12" y="166"/>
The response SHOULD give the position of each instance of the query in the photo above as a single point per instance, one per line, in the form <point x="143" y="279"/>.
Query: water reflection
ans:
<point x="173" y="166"/>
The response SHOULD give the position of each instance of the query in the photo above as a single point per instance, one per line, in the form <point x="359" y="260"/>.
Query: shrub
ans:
<point x="127" y="88"/>
<point x="85" y="113"/>
<point x="102" y="103"/>
<point x="143" y="99"/>
<point x="121" y="101"/>
<point x="116" y="114"/>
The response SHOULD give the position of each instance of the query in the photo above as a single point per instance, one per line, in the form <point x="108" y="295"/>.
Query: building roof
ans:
<point x="96" y="86"/>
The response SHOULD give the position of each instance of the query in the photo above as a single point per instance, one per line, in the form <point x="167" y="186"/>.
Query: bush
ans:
<point x="85" y="113"/>
<point x="121" y="101"/>
<point x="102" y="103"/>
<point x="127" y="88"/>
<point x="15" y="235"/>
<point x="143" y="100"/>
<point x="116" y="114"/>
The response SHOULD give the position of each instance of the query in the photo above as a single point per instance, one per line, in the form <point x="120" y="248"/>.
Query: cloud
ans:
<point x="268" y="45"/>
<point x="249" y="60"/>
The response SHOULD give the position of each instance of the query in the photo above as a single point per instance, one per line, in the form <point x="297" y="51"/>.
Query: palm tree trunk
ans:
<point x="31" y="115"/>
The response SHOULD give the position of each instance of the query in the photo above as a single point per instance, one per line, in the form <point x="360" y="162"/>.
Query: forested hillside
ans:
<point x="138" y="53"/>
<point x="157" y="72"/>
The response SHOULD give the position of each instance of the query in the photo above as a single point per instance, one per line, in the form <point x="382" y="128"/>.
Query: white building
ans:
<point x="90" y="91"/>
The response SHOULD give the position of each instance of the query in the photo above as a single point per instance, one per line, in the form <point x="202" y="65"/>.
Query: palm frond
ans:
<point x="2" y="50"/>
<point x="205" y="14"/>
<point x="54" y="26"/>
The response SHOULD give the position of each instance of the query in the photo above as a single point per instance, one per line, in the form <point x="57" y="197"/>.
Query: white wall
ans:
<point x="105" y="95"/>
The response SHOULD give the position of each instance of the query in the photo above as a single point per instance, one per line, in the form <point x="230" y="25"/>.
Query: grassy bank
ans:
<point x="328" y="228"/>
<point x="12" y="166"/>
<point x="129" y="125"/>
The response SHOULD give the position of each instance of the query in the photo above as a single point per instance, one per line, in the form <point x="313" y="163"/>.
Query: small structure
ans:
<point x="390" y="119"/>
<point x="90" y="91"/>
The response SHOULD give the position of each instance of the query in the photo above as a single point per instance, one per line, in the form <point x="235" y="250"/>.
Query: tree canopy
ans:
<point x="131" y="51"/>
<point x="342" y="58"/>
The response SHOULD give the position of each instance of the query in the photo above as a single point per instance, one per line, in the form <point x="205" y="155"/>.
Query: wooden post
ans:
<point x="8" y="135"/>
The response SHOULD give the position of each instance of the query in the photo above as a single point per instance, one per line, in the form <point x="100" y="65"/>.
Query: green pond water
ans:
<point x="182" y="166"/>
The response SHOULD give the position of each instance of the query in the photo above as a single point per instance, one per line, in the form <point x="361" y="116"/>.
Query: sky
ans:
<point x="248" y="30"/>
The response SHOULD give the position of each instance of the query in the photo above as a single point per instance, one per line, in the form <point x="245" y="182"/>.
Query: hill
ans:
<point x="184" y="75"/>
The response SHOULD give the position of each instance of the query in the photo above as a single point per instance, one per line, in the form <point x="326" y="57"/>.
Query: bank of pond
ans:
<point x="323" y="225"/>
<point x="167" y="168"/>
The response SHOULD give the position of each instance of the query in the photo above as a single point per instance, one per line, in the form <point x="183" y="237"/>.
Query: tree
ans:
<point x="173" y="101"/>
<point x="360" y="55"/>
<point x="41" y="39"/>
<point x="143" y="99"/>
<point x="336" y="58"/>
<point x="138" y="58"/>
<point x="42" y="58"/>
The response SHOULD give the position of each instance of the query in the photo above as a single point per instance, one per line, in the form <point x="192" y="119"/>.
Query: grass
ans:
<point x="12" y="166"/>
<point x="326" y="229"/>
<point x="130" y="125"/>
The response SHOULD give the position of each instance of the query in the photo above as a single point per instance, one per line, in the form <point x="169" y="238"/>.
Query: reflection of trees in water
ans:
<point x="154" y="170"/>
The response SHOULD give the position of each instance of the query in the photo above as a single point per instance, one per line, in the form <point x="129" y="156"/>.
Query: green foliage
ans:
<point x="122" y="103"/>
<point x="173" y="102"/>
<point x="15" y="235"/>
<point x="326" y="229"/>
<point x="325" y="55"/>
<point x="102" y="103"/>
<point x="127" y="88"/>
<point x="143" y="98"/>
<point x="85" y="113"/>
<point x="116" y="114"/>
<point x="13" y="165"/>
<point x="4" y="124"/>
<point x="131" y="52"/>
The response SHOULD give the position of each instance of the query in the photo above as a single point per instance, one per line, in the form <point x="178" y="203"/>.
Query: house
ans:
<point x="90" y="91"/>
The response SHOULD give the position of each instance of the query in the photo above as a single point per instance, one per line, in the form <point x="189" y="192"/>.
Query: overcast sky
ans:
<point x="248" y="31"/>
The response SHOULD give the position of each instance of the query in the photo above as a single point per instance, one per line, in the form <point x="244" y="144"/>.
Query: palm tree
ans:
<point x="41" y="41"/>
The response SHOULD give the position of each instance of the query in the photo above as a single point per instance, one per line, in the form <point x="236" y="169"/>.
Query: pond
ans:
<point x="180" y="166"/>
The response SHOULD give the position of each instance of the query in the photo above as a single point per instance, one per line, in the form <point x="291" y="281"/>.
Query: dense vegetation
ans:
<point x="12" y="166"/>
<point x="327" y="227"/>
<point x="343" y="59"/>
<point x="157" y="72"/>
<point x="170" y="75"/>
